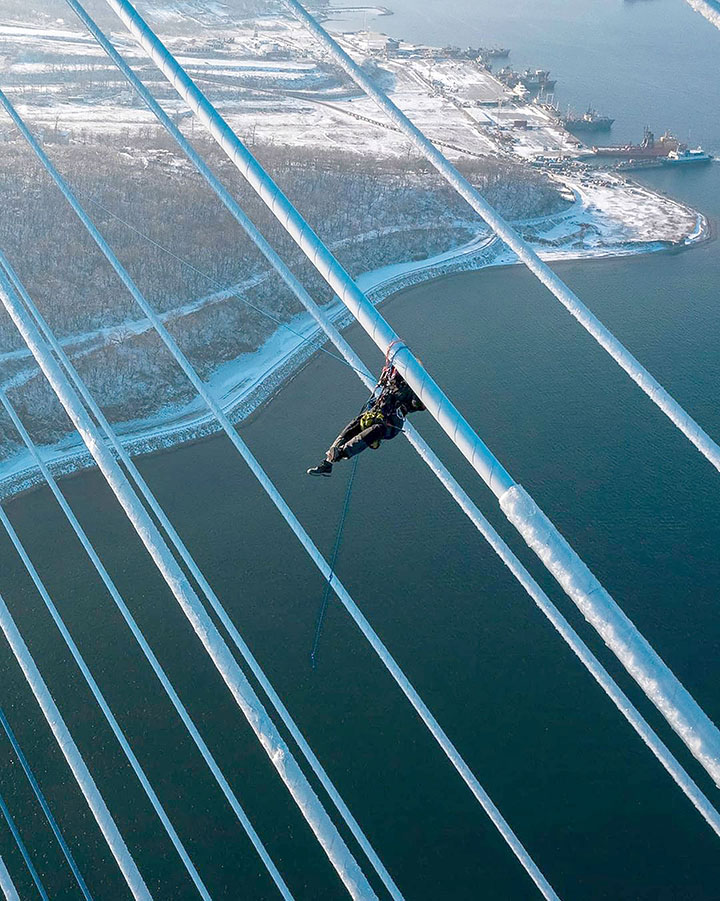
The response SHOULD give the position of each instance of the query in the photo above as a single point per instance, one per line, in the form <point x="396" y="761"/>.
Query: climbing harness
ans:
<point x="336" y="550"/>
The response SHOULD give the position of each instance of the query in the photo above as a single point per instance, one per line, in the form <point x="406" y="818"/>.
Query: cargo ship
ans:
<point x="589" y="121"/>
<point x="648" y="149"/>
<point x="537" y="80"/>
<point x="495" y="52"/>
<point x="674" y="158"/>
<point x="531" y="79"/>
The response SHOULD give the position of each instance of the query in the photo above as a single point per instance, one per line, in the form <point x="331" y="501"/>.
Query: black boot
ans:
<point x="322" y="469"/>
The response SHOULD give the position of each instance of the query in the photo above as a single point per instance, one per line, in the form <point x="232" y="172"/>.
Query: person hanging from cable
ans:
<point x="381" y="419"/>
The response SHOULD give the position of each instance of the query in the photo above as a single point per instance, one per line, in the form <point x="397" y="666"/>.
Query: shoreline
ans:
<point x="286" y="353"/>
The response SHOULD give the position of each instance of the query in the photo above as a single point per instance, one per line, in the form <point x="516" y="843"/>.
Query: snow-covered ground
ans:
<point x="269" y="79"/>
<point x="594" y="226"/>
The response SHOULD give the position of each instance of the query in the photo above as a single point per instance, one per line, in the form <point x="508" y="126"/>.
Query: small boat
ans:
<point x="685" y="157"/>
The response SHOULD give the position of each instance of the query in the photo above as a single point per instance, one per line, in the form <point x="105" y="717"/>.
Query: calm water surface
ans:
<point x="589" y="801"/>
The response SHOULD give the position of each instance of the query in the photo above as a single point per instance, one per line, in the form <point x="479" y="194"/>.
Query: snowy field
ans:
<point x="589" y="229"/>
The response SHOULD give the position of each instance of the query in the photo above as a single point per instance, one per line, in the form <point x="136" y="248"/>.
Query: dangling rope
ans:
<point x="23" y="850"/>
<point x="333" y="561"/>
<point x="44" y="804"/>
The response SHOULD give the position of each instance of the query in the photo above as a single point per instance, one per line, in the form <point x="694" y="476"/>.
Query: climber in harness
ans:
<point x="381" y="419"/>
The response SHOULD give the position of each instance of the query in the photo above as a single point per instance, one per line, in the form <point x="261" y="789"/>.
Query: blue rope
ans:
<point x="45" y="806"/>
<point x="23" y="850"/>
<point x="336" y="551"/>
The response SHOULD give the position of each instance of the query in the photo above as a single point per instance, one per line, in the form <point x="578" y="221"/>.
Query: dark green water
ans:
<point x="637" y="501"/>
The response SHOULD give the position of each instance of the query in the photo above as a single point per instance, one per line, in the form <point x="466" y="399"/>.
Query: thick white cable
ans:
<point x="244" y="694"/>
<point x="72" y="754"/>
<point x="150" y="656"/>
<point x="572" y="303"/>
<point x="6" y="883"/>
<point x="205" y="587"/>
<point x="97" y="694"/>
<point x="686" y="784"/>
<point x="707" y="8"/>
<point x="32" y="338"/>
<point x="646" y="667"/>
<point x="115" y="594"/>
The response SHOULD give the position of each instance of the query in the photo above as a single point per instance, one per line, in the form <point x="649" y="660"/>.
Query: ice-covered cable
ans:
<point x="6" y="883"/>
<point x="157" y="668"/>
<point x="121" y="487"/>
<point x="685" y="715"/>
<point x="708" y="8"/>
<point x="247" y="700"/>
<point x="42" y="801"/>
<point x="572" y="303"/>
<point x="430" y="458"/>
<point x="72" y="754"/>
<point x="22" y="848"/>
<point x="100" y="699"/>
<point x="205" y="587"/>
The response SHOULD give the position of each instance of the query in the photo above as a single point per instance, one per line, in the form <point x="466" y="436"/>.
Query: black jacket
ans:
<point x="397" y="398"/>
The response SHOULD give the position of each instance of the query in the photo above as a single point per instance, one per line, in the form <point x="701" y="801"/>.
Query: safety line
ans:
<point x="23" y="850"/>
<point x="572" y="303"/>
<point x="242" y="691"/>
<point x="655" y="678"/>
<point x="72" y="754"/>
<point x="97" y="693"/>
<point x="204" y="585"/>
<point x="19" y="753"/>
<point x="6" y="883"/>
<point x="333" y="563"/>
<point x="149" y="534"/>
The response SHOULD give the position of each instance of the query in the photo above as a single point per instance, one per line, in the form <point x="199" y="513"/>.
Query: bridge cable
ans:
<point x="151" y="537"/>
<point x="72" y="754"/>
<point x="655" y="678"/>
<point x="604" y="337"/>
<point x="97" y="693"/>
<point x="6" y="883"/>
<point x="242" y="691"/>
<point x="148" y="652"/>
<point x="204" y="585"/>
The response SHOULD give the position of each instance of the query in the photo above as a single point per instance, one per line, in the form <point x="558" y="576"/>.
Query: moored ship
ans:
<point x="648" y="149"/>
<point x="590" y="120"/>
